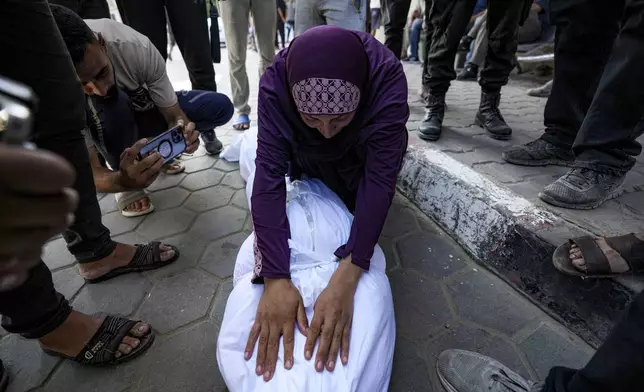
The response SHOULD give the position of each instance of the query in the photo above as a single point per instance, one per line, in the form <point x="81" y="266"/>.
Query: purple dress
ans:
<point x="360" y="164"/>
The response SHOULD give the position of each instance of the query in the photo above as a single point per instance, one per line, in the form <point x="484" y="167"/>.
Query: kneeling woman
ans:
<point x="332" y="107"/>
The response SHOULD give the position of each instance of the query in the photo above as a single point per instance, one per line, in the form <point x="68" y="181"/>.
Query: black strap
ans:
<point x="146" y="254"/>
<point x="594" y="258"/>
<point x="631" y="249"/>
<point x="103" y="346"/>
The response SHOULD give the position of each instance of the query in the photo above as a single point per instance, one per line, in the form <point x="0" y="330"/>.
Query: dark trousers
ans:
<point x="618" y="365"/>
<point x="30" y="38"/>
<point x="190" y="28"/>
<point x="280" y="33"/>
<point x="395" y="18"/>
<point x="449" y="19"/>
<point x="121" y="126"/>
<point x="597" y="101"/>
<point x="87" y="9"/>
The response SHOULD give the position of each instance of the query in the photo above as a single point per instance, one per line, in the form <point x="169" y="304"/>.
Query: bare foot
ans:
<point x="75" y="333"/>
<point x="122" y="256"/>
<point x="617" y="263"/>
<point x="139" y="205"/>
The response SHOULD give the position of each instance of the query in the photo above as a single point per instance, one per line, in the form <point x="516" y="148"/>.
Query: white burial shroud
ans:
<point x="319" y="223"/>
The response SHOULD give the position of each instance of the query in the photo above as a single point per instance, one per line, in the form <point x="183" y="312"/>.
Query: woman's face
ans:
<point x="329" y="125"/>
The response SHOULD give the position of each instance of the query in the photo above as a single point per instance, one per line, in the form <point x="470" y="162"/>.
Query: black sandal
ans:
<point x="628" y="246"/>
<point x="147" y="257"/>
<point x="102" y="348"/>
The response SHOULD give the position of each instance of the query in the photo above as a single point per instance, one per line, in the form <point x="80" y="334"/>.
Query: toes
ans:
<point x="579" y="264"/>
<point x="167" y="255"/>
<point x="140" y="329"/>
<point x="130" y="342"/>
<point x="145" y="203"/>
<point x="124" y="349"/>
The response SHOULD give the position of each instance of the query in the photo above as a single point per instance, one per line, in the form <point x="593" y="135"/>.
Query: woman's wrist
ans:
<point x="347" y="272"/>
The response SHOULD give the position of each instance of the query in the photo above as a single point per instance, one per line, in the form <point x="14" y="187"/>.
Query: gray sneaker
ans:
<point x="583" y="189"/>
<point x="539" y="153"/>
<point x="541" y="91"/>
<point x="466" y="371"/>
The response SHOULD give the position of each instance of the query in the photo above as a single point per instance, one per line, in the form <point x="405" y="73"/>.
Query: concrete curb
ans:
<point x="512" y="237"/>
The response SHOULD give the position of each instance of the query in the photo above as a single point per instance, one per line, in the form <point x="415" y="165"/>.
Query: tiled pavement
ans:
<point x="442" y="298"/>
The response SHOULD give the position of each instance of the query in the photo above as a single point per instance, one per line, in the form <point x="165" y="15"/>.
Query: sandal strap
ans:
<point x="103" y="346"/>
<point x="595" y="259"/>
<point x="630" y="248"/>
<point x="124" y="199"/>
<point x="146" y="254"/>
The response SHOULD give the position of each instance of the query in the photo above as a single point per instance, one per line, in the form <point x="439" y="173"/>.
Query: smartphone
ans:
<point x="170" y="144"/>
<point x="17" y="107"/>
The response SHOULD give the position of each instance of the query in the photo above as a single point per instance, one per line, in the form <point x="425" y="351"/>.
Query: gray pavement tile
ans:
<point x="120" y="295"/>
<point x="118" y="224"/>
<point x="186" y="361"/>
<point x="226" y="166"/>
<point x="401" y="220"/>
<point x="209" y="198"/>
<point x="108" y="204"/>
<point x="165" y="223"/>
<point x="219" y="223"/>
<point x="71" y="376"/>
<point x="28" y="366"/>
<point x="419" y="304"/>
<point x="131" y="238"/>
<point x="165" y="181"/>
<point x="169" y="305"/>
<point x="505" y="172"/>
<point x="220" y="256"/>
<point x="611" y="218"/>
<point x="56" y="255"/>
<point x="410" y="371"/>
<point x="430" y="254"/>
<point x="218" y="309"/>
<point x="391" y="259"/>
<point x="547" y="347"/>
<point x="488" y="301"/>
<point x="191" y="248"/>
<point x="198" y="164"/>
<point x="634" y="200"/>
<point x="202" y="179"/>
<point x="67" y="281"/>
<point x="234" y="180"/>
<point x="240" y="200"/>
<point x="168" y="198"/>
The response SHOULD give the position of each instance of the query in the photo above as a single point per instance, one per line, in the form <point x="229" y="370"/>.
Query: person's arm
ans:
<point x="281" y="13"/>
<point x="105" y="180"/>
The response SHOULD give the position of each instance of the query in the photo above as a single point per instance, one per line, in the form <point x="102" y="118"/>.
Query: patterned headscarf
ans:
<point x="327" y="70"/>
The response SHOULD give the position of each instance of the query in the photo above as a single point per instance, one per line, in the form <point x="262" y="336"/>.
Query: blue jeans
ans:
<point x="414" y="38"/>
<point x="115" y="125"/>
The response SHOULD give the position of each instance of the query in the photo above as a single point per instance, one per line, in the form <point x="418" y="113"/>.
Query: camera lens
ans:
<point x="176" y="136"/>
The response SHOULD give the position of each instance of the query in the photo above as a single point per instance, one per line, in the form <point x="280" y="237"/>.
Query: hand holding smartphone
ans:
<point x="170" y="144"/>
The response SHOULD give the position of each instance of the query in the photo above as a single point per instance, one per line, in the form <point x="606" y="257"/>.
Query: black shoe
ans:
<point x="539" y="153"/>
<point x="213" y="145"/>
<point x="583" y="189"/>
<point x="470" y="72"/>
<point x="431" y="126"/>
<point x="489" y="117"/>
<point x="464" y="45"/>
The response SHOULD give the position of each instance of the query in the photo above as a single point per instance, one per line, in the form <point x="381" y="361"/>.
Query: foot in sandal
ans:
<point x="139" y="207"/>
<point x="129" y="258"/>
<point x="98" y="341"/>
<point x="601" y="257"/>
<point x="175" y="166"/>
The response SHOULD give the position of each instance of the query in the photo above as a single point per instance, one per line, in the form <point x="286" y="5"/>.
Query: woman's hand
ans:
<point x="332" y="317"/>
<point x="279" y="308"/>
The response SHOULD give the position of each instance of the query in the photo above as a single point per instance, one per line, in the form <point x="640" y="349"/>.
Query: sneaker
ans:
<point x="542" y="91"/>
<point x="466" y="371"/>
<point x="583" y="189"/>
<point x="470" y="72"/>
<point x="212" y="144"/>
<point x="539" y="153"/>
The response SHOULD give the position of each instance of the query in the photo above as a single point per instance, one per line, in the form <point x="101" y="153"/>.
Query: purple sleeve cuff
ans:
<point x="362" y="262"/>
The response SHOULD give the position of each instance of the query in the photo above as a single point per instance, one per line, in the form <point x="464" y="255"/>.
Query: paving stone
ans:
<point x="400" y="221"/>
<point x="220" y="256"/>
<point x="226" y="166"/>
<point x="165" y="181"/>
<point x="240" y="200"/>
<point x="430" y="254"/>
<point x="611" y="218"/>
<point x="131" y="238"/>
<point x="234" y="180"/>
<point x="488" y="301"/>
<point x="120" y="295"/>
<point x="191" y="247"/>
<point x="71" y="376"/>
<point x="67" y="281"/>
<point x="202" y="179"/>
<point x="199" y="164"/>
<point x="108" y="204"/>
<point x="56" y="255"/>
<point x="546" y="348"/>
<point x="419" y="304"/>
<point x="169" y="305"/>
<point x="391" y="259"/>
<point x="410" y="371"/>
<point x="168" y="198"/>
<point x="221" y="299"/>
<point x="219" y="223"/>
<point x="118" y="224"/>
<point x="185" y="362"/>
<point x="28" y="366"/>
<point x="166" y="223"/>
<point x="505" y="172"/>
<point x="209" y="198"/>
<point x="634" y="200"/>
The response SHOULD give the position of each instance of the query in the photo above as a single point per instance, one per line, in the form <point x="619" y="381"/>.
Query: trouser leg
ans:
<point x="414" y="37"/>
<point x="395" y="18"/>
<point x="480" y="45"/>
<point x="606" y="141"/>
<point x="584" y="38"/>
<point x="87" y="9"/>
<point x="189" y="22"/>
<point x="206" y="109"/>
<point x="449" y="19"/>
<point x="428" y="31"/>
<point x="265" y="19"/>
<point x="344" y="14"/>
<point x="149" y="19"/>
<point x="307" y="15"/>
<point x="234" y="15"/>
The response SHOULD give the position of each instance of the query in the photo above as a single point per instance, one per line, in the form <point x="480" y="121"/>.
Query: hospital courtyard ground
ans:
<point x="442" y="297"/>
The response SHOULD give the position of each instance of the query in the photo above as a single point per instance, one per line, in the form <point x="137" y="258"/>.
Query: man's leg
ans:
<point x="414" y="37"/>
<point x="429" y="32"/>
<point x="94" y="9"/>
<point x="189" y="22"/>
<point x="234" y="15"/>
<point x="148" y="18"/>
<point x="344" y="14"/>
<point x="265" y="20"/>
<point x="479" y="50"/>
<point x="395" y="14"/>
<point x="206" y="109"/>
<point x="307" y="15"/>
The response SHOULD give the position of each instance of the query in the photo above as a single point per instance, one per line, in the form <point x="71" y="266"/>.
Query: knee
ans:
<point x="227" y="109"/>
